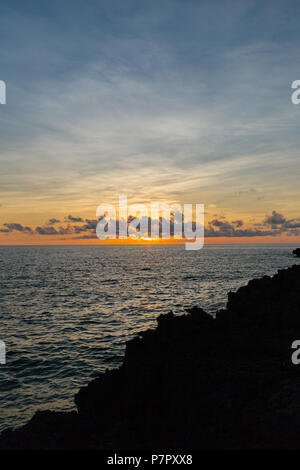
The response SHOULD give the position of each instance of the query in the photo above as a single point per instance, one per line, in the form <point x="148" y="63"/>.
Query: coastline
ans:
<point x="194" y="382"/>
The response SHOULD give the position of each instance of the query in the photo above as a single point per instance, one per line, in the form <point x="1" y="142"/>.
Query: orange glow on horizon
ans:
<point x="47" y="240"/>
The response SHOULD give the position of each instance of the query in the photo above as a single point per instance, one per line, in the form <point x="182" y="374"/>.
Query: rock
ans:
<point x="198" y="316"/>
<point x="297" y="252"/>
<point x="45" y="430"/>
<point x="194" y="382"/>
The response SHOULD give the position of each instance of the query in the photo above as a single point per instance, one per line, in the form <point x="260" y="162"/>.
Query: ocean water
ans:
<point x="66" y="311"/>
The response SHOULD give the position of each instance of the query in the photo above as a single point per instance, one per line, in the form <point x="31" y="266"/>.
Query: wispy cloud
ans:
<point x="175" y="101"/>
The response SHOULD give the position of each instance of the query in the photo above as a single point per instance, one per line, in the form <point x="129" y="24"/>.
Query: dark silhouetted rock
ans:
<point x="195" y="382"/>
<point x="297" y="252"/>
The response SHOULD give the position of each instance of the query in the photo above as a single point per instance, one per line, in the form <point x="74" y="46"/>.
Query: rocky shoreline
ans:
<point x="194" y="382"/>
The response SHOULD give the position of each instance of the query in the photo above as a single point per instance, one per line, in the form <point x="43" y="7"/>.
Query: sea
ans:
<point x="67" y="311"/>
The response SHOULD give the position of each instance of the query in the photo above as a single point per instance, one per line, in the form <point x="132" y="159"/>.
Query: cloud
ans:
<point x="292" y="224"/>
<point x="46" y="231"/>
<point x="218" y="227"/>
<point x="49" y="230"/>
<point x="88" y="226"/>
<point x="275" y="219"/>
<point x="278" y="225"/>
<point x="225" y="229"/>
<point x="10" y="227"/>
<point x="238" y="223"/>
<point x="70" y="218"/>
<point x="53" y="221"/>
<point x="140" y="112"/>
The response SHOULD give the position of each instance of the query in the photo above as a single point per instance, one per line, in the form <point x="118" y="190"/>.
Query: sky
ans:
<point x="176" y="101"/>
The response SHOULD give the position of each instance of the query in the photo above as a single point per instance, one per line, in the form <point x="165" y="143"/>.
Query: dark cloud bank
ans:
<point x="273" y="225"/>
